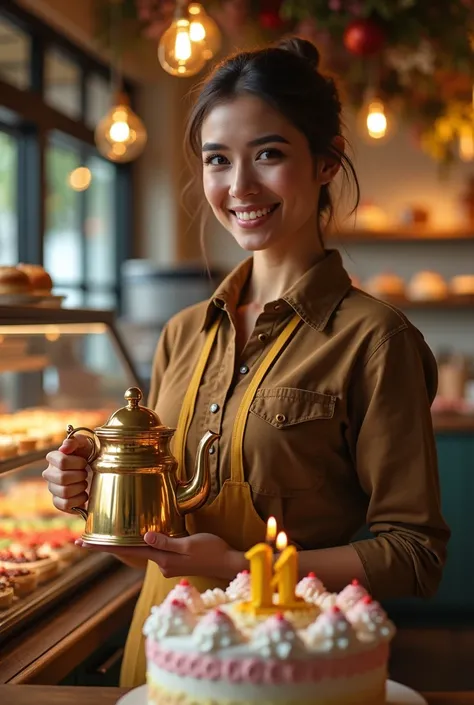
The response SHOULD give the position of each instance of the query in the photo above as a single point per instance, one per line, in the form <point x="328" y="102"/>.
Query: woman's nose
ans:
<point x="243" y="183"/>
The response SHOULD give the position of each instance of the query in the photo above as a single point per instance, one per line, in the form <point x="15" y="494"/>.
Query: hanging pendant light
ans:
<point x="178" y="54"/>
<point x="203" y="29"/>
<point x="121" y="136"/>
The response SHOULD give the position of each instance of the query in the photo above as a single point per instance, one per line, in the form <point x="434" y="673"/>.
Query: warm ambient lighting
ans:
<point x="281" y="541"/>
<point x="121" y="136"/>
<point x="80" y="179"/>
<point x="376" y="120"/>
<point x="204" y="29"/>
<point x="177" y="53"/>
<point x="466" y="144"/>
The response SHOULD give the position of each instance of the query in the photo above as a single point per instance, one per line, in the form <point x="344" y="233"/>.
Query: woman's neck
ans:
<point x="272" y="275"/>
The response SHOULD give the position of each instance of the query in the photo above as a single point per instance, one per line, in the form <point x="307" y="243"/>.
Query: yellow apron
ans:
<point x="231" y="515"/>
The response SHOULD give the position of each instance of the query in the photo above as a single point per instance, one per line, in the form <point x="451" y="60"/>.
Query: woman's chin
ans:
<point x="253" y="241"/>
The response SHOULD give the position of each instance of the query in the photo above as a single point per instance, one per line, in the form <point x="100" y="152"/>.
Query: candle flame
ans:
<point x="281" y="541"/>
<point x="271" y="530"/>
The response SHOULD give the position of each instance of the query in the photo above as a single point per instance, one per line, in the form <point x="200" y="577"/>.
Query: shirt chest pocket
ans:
<point x="290" y="443"/>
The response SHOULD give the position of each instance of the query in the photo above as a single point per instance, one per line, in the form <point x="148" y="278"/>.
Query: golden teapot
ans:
<point x="134" y="487"/>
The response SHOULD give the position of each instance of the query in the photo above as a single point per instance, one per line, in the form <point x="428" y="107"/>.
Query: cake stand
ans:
<point x="397" y="694"/>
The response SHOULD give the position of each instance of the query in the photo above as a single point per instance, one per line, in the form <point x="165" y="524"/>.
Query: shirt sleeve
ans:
<point x="160" y="363"/>
<point x="396" y="461"/>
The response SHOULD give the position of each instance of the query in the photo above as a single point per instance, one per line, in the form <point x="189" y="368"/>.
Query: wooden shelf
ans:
<point x="451" y="303"/>
<point x="400" y="236"/>
<point x="32" y="363"/>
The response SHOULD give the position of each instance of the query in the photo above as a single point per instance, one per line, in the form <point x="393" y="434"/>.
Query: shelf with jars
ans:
<point x="57" y="367"/>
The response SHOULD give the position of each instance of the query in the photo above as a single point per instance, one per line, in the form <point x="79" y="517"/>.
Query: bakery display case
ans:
<point x="57" y="367"/>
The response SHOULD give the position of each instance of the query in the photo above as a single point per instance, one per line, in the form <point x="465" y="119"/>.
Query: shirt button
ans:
<point x="280" y="418"/>
<point x="277" y="307"/>
<point x="214" y="408"/>
<point x="243" y="370"/>
<point x="262" y="337"/>
<point x="212" y="450"/>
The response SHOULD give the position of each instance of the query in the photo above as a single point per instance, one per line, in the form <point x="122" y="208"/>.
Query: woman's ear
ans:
<point x="330" y="164"/>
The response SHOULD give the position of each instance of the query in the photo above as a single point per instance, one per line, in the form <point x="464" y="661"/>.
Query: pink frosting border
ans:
<point x="254" y="670"/>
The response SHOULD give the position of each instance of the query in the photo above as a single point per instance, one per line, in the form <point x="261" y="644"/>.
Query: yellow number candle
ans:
<point x="285" y="571"/>
<point x="260" y="557"/>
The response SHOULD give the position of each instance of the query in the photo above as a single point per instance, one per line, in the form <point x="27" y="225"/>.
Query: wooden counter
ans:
<point x="62" y="639"/>
<point x="58" y="695"/>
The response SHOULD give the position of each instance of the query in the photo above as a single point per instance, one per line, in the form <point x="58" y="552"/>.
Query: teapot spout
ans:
<point x="192" y="495"/>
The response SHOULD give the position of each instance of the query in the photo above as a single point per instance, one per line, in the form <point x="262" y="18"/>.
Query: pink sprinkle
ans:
<point x="367" y="599"/>
<point x="184" y="582"/>
<point x="245" y="572"/>
<point x="280" y="616"/>
<point x="311" y="575"/>
<point x="335" y="609"/>
<point x="355" y="582"/>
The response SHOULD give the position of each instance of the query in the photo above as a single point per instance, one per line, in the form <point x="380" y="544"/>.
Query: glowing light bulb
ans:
<point x="204" y="29"/>
<point x="466" y="144"/>
<point x="177" y="53"/>
<point x="121" y="136"/>
<point x="376" y="120"/>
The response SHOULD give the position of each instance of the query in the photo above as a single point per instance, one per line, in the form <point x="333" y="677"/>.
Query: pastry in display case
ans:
<point x="58" y="367"/>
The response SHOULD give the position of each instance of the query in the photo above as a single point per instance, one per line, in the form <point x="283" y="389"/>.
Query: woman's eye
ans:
<point x="270" y="154"/>
<point x="215" y="160"/>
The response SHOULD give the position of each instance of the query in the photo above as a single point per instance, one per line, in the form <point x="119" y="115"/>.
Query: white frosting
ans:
<point x="188" y="594"/>
<point x="276" y="638"/>
<point x="351" y="594"/>
<point x="370" y="621"/>
<point x="331" y="631"/>
<point x="214" y="631"/>
<point x="214" y="598"/>
<point x="239" y="588"/>
<point x="171" y="618"/>
<point x="309" y="587"/>
<point x="326" y="600"/>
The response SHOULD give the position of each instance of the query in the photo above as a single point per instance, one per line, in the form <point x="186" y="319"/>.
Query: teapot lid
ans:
<point x="133" y="417"/>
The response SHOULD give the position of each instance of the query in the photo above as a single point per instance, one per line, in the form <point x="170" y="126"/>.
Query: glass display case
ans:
<point x="57" y="367"/>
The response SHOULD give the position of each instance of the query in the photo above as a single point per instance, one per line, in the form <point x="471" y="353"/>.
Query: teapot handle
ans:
<point x="93" y="438"/>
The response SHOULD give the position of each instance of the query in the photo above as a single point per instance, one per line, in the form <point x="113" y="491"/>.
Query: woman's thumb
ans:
<point x="76" y="445"/>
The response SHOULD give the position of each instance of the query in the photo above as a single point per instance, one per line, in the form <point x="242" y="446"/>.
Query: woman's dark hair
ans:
<point x="287" y="78"/>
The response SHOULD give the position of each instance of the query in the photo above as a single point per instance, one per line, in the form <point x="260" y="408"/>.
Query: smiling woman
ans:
<point x="310" y="384"/>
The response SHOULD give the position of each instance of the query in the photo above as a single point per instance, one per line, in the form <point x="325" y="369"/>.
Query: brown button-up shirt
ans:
<point x="340" y="432"/>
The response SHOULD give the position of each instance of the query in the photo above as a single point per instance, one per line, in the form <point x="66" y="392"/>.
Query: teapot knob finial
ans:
<point x="133" y="397"/>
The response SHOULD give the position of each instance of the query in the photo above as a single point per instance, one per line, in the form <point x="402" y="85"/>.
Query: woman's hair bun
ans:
<point x="303" y="48"/>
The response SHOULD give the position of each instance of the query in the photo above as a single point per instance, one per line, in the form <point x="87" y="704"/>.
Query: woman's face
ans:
<point x="259" y="176"/>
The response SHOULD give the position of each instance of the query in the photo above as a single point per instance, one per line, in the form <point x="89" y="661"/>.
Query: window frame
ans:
<point x="34" y="122"/>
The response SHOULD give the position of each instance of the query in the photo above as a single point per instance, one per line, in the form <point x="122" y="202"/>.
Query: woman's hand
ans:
<point x="205" y="555"/>
<point x="67" y="475"/>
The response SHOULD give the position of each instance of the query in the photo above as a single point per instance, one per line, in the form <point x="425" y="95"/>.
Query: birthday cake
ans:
<point x="243" y="647"/>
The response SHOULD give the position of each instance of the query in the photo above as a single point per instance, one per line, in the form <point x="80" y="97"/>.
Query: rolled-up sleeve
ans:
<point x="396" y="462"/>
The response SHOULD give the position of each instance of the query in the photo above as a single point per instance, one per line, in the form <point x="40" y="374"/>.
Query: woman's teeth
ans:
<point x="253" y="215"/>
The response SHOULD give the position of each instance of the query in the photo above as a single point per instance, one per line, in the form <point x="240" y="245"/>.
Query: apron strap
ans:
<point x="189" y="402"/>
<point x="237" y="463"/>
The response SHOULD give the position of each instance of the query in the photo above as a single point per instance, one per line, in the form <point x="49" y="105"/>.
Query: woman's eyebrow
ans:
<point x="258" y="141"/>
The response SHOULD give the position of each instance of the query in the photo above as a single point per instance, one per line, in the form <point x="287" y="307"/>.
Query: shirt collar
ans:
<point x="314" y="297"/>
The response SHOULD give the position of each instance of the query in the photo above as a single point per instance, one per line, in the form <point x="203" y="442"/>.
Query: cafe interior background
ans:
<point x="92" y="191"/>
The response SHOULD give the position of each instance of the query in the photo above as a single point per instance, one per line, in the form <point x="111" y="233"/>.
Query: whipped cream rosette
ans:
<point x="187" y="593"/>
<point x="331" y="631"/>
<point x="325" y="600"/>
<point x="171" y="618"/>
<point x="216" y="630"/>
<point x="351" y="594"/>
<point x="240" y="587"/>
<point x="277" y="638"/>
<point x="309" y="587"/>
<point x="370" y="620"/>
<point x="214" y="598"/>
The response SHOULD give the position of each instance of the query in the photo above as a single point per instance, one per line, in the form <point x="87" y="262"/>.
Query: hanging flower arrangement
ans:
<point x="415" y="56"/>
